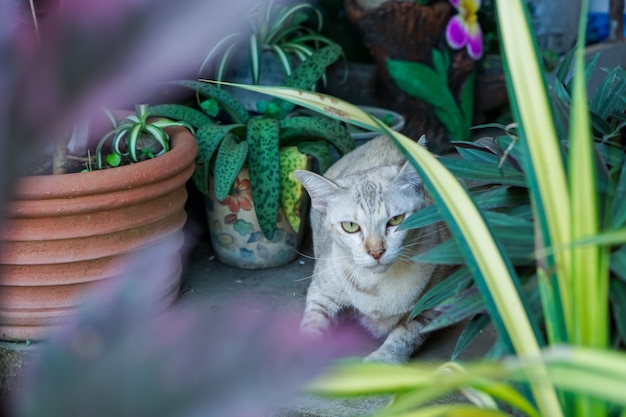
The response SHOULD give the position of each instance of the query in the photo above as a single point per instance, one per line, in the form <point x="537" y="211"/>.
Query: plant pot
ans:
<point x="362" y="136"/>
<point x="236" y="236"/>
<point x="64" y="235"/>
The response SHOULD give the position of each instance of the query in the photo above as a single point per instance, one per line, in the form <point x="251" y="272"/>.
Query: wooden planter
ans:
<point x="65" y="234"/>
<point x="404" y="30"/>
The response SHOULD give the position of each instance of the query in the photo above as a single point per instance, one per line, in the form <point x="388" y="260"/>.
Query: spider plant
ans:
<point x="135" y="139"/>
<point x="571" y="370"/>
<point x="276" y="28"/>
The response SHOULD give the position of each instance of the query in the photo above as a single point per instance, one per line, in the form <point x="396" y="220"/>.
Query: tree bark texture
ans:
<point x="404" y="30"/>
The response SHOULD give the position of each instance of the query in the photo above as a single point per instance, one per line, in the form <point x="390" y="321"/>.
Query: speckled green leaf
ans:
<point x="308" y="72"/>
<point x="318" y="150"/>
<point x="209" y="137"/>
<point x="229" y="103"/>
<point x="296" y="128"/>
<point x="230" y="158"/>
<point x="185" y="114"/>
<point x="264" y="164"/>
<point x="291" y="189"/>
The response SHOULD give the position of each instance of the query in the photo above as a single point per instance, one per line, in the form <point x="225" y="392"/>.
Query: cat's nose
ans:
<point x="376" y="253"/>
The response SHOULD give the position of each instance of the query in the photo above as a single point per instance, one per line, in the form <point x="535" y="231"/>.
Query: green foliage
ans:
<point x="278" y="28"/>
<point x="135" y="139"/>
<point x="431" y="86"/>
<point x="242" y="137"/>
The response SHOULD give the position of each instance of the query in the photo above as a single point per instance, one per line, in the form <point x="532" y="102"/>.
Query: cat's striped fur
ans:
<point x="363" y="261"/>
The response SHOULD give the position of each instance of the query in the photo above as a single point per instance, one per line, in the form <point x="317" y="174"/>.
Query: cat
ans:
<point x="362" y="259"/>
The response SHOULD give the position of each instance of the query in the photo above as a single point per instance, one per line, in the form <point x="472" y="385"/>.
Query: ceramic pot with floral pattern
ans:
<point x="236" y="236"/>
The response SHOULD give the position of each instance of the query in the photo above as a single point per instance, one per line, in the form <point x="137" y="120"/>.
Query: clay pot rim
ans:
<point x="124" y="177"/>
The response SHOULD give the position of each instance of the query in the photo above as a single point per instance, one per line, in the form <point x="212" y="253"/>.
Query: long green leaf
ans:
<point x="423" y="83"/>
<point x="295" y="128"/>
<point x="186" y="114"/>
<point x="231" y="156"/>
<point x="264" y="165"/>
<point x="229" y="103"/>
<point x="209" y="137"/>
<point x="545" y="170"/>
<point x="589" y="283"/>
<point x="319" y="150"/>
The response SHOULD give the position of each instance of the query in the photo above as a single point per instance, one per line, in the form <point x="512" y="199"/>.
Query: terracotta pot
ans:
<point x="236" y="236"/>
<point x="65" y="234"/>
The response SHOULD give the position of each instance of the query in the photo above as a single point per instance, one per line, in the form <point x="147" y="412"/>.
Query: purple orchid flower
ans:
<point x="463" y="29"/>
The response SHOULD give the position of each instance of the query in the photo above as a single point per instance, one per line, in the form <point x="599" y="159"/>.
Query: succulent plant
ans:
<point x="257" y="140"/>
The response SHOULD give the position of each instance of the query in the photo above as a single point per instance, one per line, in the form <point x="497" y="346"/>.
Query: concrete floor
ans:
<point x="211" y="285"/>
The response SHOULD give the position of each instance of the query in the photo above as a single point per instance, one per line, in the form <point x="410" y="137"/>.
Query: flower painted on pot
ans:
<point x="240" y="196"/>
<point x="463" y="29"/>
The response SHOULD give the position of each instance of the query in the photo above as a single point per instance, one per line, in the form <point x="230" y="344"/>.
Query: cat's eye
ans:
<point x="396" y="220"/>
<point x="350" y="227"/>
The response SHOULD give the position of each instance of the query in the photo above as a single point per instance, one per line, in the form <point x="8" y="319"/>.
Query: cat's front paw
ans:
<point x="312" y="331"/>
<point x="383" y="355"/>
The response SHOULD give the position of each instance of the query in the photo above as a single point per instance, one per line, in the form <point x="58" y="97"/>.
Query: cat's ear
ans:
<point x="423" y="142"/>
<point x="408" y="177"/>
<point x="320" y="189"/>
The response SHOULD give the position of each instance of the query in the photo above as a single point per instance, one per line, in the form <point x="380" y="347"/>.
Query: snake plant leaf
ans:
<point x="459" y="307"/>
<point x="517" y="243"/>
<point x="264" y="164"/>
<point x="499" y="197"/>
<point x="231" y="156"/>
<point x="452" y="284"/>
<point x="618" y="303"/>
<point x="186" y="114"/>
<point x="318" y="150"/>
<point x="229" y="103"/>
<point x="291" y="190"/>
<point x="474" y="170"/>
<point x="619" y="202"/>
<point x="316" y="127"/>
<point x="209" y="138"/>
<point x="610" y="98"/>
<point x="473" y="328"/>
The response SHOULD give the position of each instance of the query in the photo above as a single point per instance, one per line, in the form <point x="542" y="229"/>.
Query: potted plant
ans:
<point x="246" y="161"/>
<point x="65" y="234"/>
<point x="280" y="36"/>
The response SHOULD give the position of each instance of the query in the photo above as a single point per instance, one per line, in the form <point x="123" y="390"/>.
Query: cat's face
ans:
<point x="363" y="212"/>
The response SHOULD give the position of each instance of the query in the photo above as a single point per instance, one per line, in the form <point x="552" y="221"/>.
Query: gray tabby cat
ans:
<point x="363" y="261"/>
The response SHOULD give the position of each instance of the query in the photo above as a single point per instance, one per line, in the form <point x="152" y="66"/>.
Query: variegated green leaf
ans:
<point x="318" y="150"/>
<point x="264" y="165"/>
<point x="231" y="156"/>
<point x="229" y="103"/>
<point x="186" y="114"/>
<point x="209" y="137"/>
<point x="299" y="127"/>
<point x="310" y="71"/>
